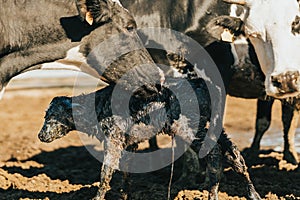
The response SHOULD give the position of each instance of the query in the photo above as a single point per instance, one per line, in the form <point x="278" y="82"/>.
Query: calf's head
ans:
<point x="58" y="120"/>
<point x="63" y="116"/>
<point x="273" y="28"/>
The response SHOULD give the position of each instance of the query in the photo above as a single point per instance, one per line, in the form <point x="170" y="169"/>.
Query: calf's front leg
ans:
<point x="114" y="145"/>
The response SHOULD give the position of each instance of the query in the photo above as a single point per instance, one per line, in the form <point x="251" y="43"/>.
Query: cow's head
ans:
<point x="101" y="11"/>
<point x="273" y="28"/>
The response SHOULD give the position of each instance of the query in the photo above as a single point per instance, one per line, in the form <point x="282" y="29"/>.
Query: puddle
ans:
<point x="274" y="139"/>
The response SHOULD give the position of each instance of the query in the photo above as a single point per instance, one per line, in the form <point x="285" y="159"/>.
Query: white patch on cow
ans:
<point x="59" y="66"/>
<point x="240" y="51"/>
<point x="162" y="76"/>
<point x="75" y="61"/>
<point x="227" y="36"/>
<point x="74" y="55"/>
<point x="234" y="11"/>
<point x="269" y="28"/>
<point x="235" y="54"/>
<point x="177" y="74"/>
<point x="118" y="2"/>
<point x="2" y="92"/>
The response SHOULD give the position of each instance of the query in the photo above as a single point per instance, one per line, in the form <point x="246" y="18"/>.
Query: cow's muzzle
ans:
<point x="286" y="83"/>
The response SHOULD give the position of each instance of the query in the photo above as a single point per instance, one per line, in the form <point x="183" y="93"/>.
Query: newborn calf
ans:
<point x="153" y="109"/>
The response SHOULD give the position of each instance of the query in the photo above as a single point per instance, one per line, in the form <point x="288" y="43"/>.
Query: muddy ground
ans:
<point x="64" y="169"/>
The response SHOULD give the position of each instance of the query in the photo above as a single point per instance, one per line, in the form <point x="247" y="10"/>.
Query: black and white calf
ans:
<point x="66" y="114"/>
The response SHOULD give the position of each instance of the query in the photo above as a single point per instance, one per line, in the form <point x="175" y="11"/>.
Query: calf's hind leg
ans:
<point x="214" y="170"/>
<point x="235" y="159"/>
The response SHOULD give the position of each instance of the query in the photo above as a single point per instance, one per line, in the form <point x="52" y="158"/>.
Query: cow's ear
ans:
<point x="93" y="11"/>
<point x="225" y="28"/>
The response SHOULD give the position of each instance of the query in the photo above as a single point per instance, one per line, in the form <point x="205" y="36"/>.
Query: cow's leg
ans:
<point x="237" y="162"/>
<point x="214" y="170"/>
<point x="290" y="116"/>
<point x="114" y="146"/>
<point x="263" y="120"/>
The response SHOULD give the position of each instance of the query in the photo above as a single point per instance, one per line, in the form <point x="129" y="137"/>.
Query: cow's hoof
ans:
<point x="251" y="156"/>
<point x="291" y="157"/>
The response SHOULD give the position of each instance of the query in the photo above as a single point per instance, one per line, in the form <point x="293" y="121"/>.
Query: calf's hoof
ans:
<point x="252" y="194"/>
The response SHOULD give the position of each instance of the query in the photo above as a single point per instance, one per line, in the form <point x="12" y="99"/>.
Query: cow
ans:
<point x="270" y="35"/>
<point x="151" y="113"/>
<point x="63" y="31"/>
<point x="198" y="19"/>
<point x="247" y="82"/>
<point x="289" y="118"/>
<point x="60" y="33"/>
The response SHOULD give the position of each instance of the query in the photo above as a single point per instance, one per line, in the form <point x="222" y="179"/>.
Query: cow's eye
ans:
<point x="130" y="28"/>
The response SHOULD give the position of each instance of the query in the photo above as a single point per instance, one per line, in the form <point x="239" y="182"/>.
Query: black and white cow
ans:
<point x="198" y="19"/>
<point x="37" y="32"/>
<point x="247" y="82"/>
<point x="275" y="37"/>
<point x="29" y="39"/>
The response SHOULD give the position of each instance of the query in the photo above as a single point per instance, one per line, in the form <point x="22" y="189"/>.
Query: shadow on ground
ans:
<point x="77" y="166"/>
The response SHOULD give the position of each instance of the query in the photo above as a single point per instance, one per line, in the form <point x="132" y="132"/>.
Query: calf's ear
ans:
<point x="225" y="28"/>
<point x="77" y="109"/>
<point x="93" y="11"/>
